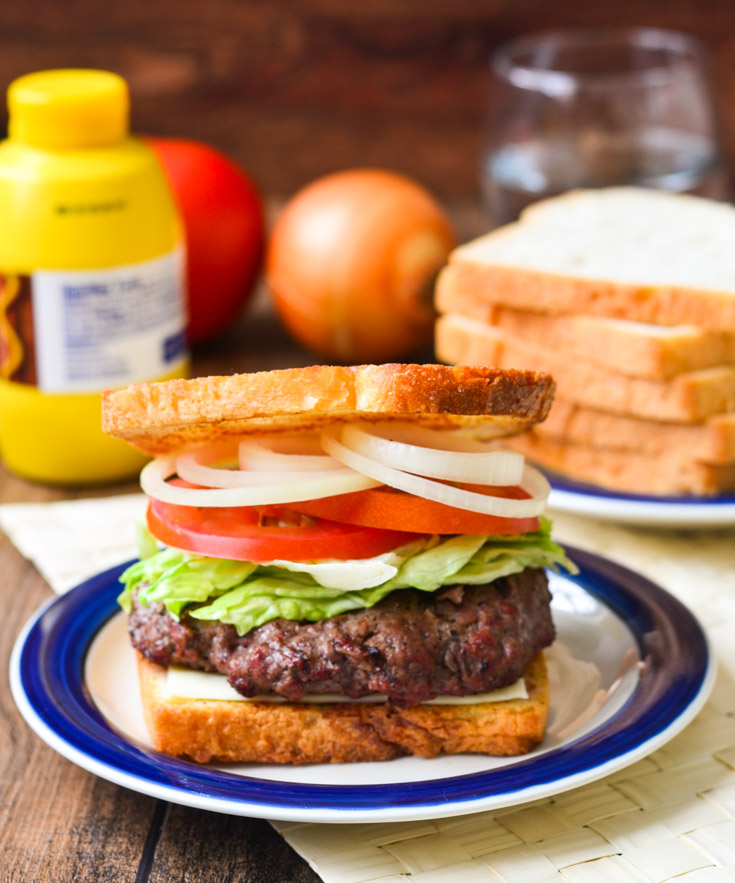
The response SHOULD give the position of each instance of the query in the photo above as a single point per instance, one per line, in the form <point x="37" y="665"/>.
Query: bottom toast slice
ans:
<point x="247" y="732"/>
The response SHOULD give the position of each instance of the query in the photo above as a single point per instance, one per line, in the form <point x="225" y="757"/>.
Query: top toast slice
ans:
<point x="159" y="418"/>
<point x="621" y="252"/>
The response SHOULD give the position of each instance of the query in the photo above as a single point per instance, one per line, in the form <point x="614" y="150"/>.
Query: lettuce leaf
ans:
<point x="247" y="595"/>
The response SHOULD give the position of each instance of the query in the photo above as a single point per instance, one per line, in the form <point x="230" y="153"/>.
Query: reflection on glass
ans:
<point x="598" y="108"/>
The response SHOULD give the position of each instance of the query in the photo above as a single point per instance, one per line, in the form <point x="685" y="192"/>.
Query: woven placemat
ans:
<point x="670" y="816"/>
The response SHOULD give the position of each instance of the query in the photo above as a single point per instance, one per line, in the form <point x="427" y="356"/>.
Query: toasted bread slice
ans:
<point x="621" y="252"/>
<point x="712" y="441"/>
<point x="260" y="732"/>
<point x="686" y="398"/>
<point x="667" y="474"/>
<point x="161" y="417"/>
<point x="637" y="349"/>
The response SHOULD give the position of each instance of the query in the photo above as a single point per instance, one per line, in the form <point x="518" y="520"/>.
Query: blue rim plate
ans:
<point x="579" y="498"/>
<point x="47" y="681"/>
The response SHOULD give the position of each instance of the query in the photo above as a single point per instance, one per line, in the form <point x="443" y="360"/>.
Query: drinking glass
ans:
<point x="594" y="108"/>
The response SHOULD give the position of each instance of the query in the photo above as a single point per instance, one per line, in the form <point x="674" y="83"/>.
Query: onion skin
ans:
<point x="351" y="265"/>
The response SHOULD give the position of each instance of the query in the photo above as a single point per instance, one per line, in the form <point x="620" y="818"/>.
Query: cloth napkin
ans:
<point x="73" y="540"/>
<point x="670" y="816"/>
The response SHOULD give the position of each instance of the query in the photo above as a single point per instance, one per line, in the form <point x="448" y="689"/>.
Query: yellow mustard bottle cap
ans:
<point x="66" y="109"/>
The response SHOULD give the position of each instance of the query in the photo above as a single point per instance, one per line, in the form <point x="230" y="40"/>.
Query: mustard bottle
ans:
<point x="92" y="281"/>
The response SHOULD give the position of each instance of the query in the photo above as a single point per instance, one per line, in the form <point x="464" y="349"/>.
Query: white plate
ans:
<point x="577" y="498"/>
<point x="66" y="673"/>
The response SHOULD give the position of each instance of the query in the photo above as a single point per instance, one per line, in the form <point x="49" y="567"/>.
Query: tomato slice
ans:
<point x="392" y="509"/>
<point x="265" y="533"/>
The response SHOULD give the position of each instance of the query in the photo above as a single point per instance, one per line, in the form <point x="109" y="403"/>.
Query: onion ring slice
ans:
<point x="194" y="466"/>
<point x="281" y="488"/>
<point x="260" y="454"/>
<point x="488" y="467"/>
<point x="457" y="440"/>
<point x="533" y="483"/>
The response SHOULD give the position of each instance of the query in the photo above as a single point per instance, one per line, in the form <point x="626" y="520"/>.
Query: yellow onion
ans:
<point x="351" y="265"/>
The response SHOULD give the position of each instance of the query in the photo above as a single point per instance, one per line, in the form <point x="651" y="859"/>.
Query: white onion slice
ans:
<point x="307" y="486"/>
<point x="488" y="467"/>
<point x="194" y="467"/>
<point x="260" y="454"/>
<point x="533" y="483"/>
<point x="440" y="439"/>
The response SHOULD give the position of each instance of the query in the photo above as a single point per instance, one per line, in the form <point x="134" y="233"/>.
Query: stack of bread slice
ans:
<point x="627" y="296"/>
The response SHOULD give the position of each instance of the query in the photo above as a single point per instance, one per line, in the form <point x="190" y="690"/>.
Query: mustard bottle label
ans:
<point x="17" y="349"/>
<point x="68" y="331"/>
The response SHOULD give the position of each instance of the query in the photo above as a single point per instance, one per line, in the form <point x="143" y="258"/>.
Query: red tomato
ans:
<point x="223" y="218"/>
<point x="392" y="509"/>
<point x="244" y="533"/>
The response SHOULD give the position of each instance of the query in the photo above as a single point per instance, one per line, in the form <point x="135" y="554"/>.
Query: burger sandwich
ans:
<point x="342" y="563"/>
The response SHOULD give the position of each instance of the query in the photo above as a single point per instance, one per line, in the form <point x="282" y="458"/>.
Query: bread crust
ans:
<point x="626" y="470"/>
<point x="637" y="350"/>
<point x="259" y="732"/>
<point x="712" y="441"/>
<point x="686" y="398"/>
<point x="158" y="418"/>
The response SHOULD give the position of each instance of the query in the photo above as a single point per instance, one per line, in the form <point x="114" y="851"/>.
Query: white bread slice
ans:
<point x="712" y="441"/>
<point x="219" y="730"/>
<point x="625" y="470"/>
<point x="686" y="398"/>
<point x="621" y="252"/>
<point x="638" y="349"/>
<point x="161" y="417"/>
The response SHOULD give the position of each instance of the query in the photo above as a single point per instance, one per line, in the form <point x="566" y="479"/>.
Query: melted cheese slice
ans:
<point x="183" y="683"/>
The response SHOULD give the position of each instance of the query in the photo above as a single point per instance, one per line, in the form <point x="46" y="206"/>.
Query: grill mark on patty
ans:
<point x="412" y="645"/>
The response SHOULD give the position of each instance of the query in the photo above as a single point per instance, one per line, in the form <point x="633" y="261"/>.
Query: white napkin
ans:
<point x="73" y="540"/>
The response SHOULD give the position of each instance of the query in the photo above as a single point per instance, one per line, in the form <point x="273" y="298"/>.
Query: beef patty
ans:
<point x="410" y="646"/>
